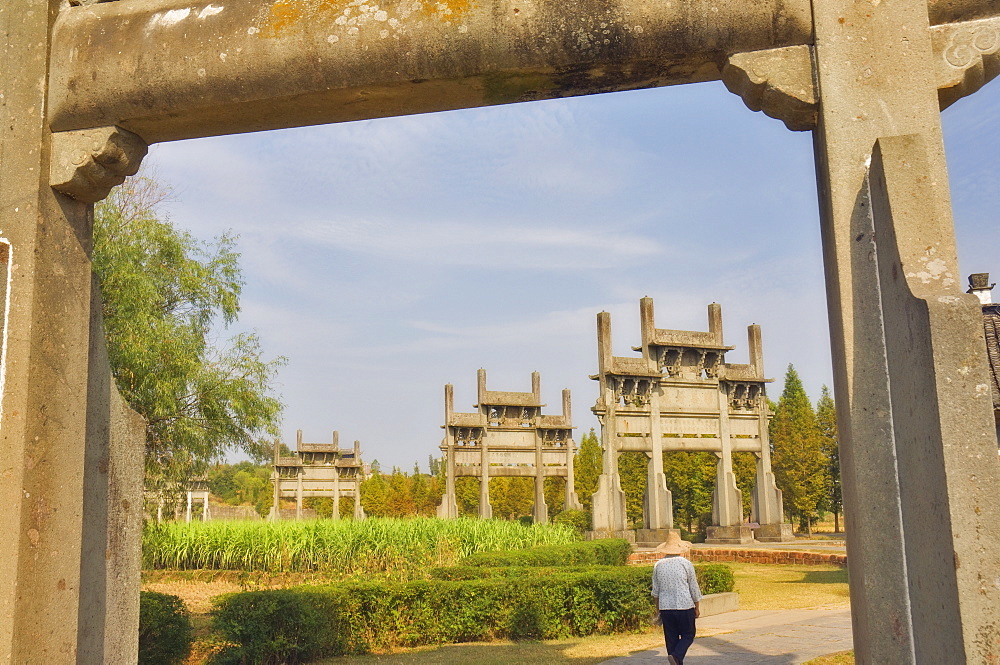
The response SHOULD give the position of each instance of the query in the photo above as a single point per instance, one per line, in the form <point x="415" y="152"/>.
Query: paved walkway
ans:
<point x="751" y="637"/>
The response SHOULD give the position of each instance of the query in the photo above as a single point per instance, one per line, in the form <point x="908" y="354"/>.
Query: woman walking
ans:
<point x="677" y="595"/>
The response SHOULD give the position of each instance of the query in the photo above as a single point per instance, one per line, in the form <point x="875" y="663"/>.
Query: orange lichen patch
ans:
<point x="448" y="10"/>
<point x="285" y="14"/>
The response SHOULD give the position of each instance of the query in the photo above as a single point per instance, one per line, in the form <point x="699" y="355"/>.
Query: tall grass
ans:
<point x="342" y="547"/>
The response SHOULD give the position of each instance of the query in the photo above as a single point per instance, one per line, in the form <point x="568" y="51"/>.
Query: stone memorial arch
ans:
<point x="508" y="436"/>
<point x="682" y="395"/>
<point x="321" y="470"/>
<point x="86" y="87"/>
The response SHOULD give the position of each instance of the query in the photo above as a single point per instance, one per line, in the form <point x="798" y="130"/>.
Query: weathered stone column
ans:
<point x="572" y="501"/>
<point x="540" y="511"/>
<point x="918" y="454"/>
<point x="608" y="505"/>
<point x="727" y="501"/>
<point x="298" y="496"/>
<point x="276" y="498"/>
<point x="485" y="507"/>
<point x="336" y="493"/>
<point x="187" y="514"/>
<point x="767" y="509"/>
<point x="359" y="510"/>
<point x="449" y="502"/>
<point x="766" y="504"/>
<point x="659" y="501"/>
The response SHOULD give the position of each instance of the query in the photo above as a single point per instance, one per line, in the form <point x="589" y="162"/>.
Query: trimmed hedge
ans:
<point x="298" y="625"/>
<point x="165" y="633"/>
<point x="458" y="573"/>
<point x="605" y="552"/>
<point x="712" y="577"/>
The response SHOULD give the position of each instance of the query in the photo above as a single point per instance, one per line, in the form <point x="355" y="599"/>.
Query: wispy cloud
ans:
<point x="502" y="246"/>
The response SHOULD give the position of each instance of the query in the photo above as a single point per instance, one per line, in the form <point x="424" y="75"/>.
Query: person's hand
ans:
<point x="697" y="611"/>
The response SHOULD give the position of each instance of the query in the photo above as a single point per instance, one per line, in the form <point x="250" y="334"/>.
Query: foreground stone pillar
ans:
<point x="68" y="498"/>
<point x="113" y="496"/>
<point x="918" y="453"/>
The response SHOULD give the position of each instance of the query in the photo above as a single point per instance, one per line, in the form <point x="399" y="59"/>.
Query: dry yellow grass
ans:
<point x="841" y="658"/>
<point x="779" y="587"/>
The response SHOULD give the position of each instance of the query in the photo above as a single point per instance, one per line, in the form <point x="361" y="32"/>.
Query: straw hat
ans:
<point x="673" y="544"/>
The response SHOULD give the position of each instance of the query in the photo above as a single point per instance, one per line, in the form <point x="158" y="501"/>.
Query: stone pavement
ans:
<point x="754" y="637"/>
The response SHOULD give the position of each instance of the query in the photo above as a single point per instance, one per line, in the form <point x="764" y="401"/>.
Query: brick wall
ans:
<point x="746" y="556"/>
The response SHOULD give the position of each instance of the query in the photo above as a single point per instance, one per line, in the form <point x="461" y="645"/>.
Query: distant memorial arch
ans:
<point x="318" y="470"/>
<point x="681" y="395"/>
<point x="508" y="436"/>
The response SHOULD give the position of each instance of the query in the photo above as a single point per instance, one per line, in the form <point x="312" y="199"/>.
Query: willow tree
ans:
<point x="166" y="298"/>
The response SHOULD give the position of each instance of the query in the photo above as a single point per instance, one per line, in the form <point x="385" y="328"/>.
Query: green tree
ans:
<point x="745" y="470"/>
<point x="826" y="417"/>
<point x="242" y="484"/>
<point x="587" y="467"/>
<point x="690" y="478"/>
<point x="399" y="498"/>
<point x="164" y="292"/>
<point x="554" y="489"/>
<point x="467" y="495"/>
<point x="374" y="494"/>
<point x="632" y="469"/>
<point x="800" y="469"/>
<point x="511" y="497"/>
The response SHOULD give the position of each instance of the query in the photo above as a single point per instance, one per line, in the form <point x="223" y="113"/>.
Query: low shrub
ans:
<point x="578" y="519"/>
<point x="165" y="634"/>
<point x="298" y="625"/>
<point x="715" y="577"/>
<point x="271" y="627"/>
<point x="712" y="577"/>
<point x="605" y="552"/>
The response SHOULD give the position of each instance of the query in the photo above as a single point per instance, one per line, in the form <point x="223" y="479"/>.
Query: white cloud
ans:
<point x="450" y="243"/>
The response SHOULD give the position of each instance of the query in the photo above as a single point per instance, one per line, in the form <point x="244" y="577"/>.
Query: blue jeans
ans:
<point x="678" y="631"/>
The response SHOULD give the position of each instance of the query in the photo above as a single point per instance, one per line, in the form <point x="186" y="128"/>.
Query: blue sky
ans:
<point x="386" y="258"/>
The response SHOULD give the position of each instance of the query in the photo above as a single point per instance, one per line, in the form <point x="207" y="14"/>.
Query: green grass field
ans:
<point x="382" y="546"/>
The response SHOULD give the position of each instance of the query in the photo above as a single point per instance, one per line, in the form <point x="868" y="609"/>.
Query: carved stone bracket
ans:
<point x="778" y="82"/>
<point x="967" y="56"/>
<point x="87" y="164"/>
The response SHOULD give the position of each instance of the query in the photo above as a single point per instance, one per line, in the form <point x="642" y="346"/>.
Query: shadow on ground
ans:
<point x="822" y="577"/>
<point x="722" y="652"/>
